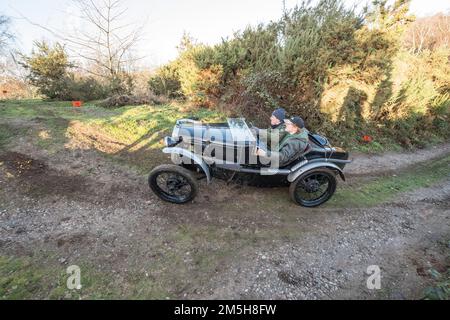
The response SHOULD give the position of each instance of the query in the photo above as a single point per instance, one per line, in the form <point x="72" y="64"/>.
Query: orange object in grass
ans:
<point x="367" y="138"/>
<point x="77" y="104"/>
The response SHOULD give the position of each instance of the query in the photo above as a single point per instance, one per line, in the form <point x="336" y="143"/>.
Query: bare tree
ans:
<point x="103" y="40"/>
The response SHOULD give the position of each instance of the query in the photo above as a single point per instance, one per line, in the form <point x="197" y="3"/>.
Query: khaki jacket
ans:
<point x="290" y="147"/>
<point x="273" y="135"/>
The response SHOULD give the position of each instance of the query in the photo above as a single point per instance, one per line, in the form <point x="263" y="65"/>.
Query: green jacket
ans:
<point x="276" y="135"/>
<point x="291" y="146"/>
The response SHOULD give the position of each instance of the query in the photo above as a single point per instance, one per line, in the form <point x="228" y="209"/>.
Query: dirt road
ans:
<point x="77" y="207"/>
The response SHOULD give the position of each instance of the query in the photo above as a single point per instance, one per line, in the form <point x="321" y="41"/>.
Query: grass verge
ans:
<point x="31" y="278"/>
<point x="385" y="188"/>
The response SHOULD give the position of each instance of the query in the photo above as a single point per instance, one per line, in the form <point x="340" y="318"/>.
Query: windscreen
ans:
<point x="240" y="131"/>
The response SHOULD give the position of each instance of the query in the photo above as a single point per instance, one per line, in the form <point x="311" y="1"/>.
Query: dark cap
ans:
<point x="279" y="113"/>
<point x="297" y="121"/>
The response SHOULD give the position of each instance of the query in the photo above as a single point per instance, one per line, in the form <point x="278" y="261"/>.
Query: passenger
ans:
<point x="293" y="144"/>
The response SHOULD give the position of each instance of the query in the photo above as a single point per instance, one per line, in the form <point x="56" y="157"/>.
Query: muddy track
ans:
<point x="366" y="164"/>
<point x="330" y="259"/>
<point x="232" y="242"/>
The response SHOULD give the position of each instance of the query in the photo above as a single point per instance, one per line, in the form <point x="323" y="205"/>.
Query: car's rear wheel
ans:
<point x="173" y="183"/>
<point x="313" y="188"/>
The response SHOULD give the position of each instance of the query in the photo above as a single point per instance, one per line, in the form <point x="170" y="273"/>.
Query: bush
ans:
<point x="120" y="84"/>
<point x="201" y="86"/>
<point x="48" y="70"/>
<point x="166" y="81"/>
<point x="51" y="72"/>
<point x="346" y="74"/>
<point x="84" y="88"/>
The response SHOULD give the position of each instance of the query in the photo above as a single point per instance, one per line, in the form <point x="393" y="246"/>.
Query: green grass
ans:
<point x="40" y="278"/>
<point x="193" y="255"/>
<point x="137" y="129"/>
<point x="140" y="129"/>
<point x="135" y="123"/>
<point x="8" y="133"/>
<point x="375" y="147"/>
<point x="18" y="280"/>
<point x="29" y="109"/>
<point x="25" y="278"/>
<point x="441" y="286"/>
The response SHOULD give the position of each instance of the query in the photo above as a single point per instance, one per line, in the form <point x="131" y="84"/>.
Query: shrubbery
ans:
<point x="48" y="70"/>
<point x="346" y="74"/>
<point x="56" y="78"/>
<point x="166" y="82"/>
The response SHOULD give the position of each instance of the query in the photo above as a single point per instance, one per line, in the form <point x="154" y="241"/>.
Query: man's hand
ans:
<point x="260" y="152"/>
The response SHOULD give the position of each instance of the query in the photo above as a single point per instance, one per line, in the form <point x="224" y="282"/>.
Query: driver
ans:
<point x="277" y="130"/>
<point x="292" y="145"/>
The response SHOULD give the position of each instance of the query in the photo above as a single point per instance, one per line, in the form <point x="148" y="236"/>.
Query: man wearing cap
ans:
<point x="292" y="145"/>
<point x="277" y="130"/>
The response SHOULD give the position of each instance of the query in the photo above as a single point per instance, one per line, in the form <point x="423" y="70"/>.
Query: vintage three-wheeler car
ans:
<point x="228" y="151"/>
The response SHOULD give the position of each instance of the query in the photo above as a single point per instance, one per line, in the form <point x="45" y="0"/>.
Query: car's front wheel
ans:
<point x="314" y="187"/>
<point x="173" y="183"/>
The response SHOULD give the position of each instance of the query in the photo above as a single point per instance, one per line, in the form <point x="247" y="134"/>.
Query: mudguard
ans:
<point x="176" y="152"/>
<point x="314" y="165"/>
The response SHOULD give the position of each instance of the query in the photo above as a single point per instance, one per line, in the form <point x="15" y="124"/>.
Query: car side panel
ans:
<point x="320" y="164"/>
<point x="176" y="152"/>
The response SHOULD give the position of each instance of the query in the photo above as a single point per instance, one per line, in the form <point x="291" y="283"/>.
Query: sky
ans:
<point x="166" y="20"/>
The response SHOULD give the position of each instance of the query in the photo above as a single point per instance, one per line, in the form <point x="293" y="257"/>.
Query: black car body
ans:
<point x="227" y="151"/>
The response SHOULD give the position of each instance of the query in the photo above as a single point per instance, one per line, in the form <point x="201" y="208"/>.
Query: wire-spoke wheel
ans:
<point x="173" y="183"/>
<point x="313" y="188"/>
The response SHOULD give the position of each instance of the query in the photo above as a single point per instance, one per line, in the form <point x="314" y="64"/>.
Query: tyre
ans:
<point x="314" y="187"/>
<point x="173" y="183"/>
